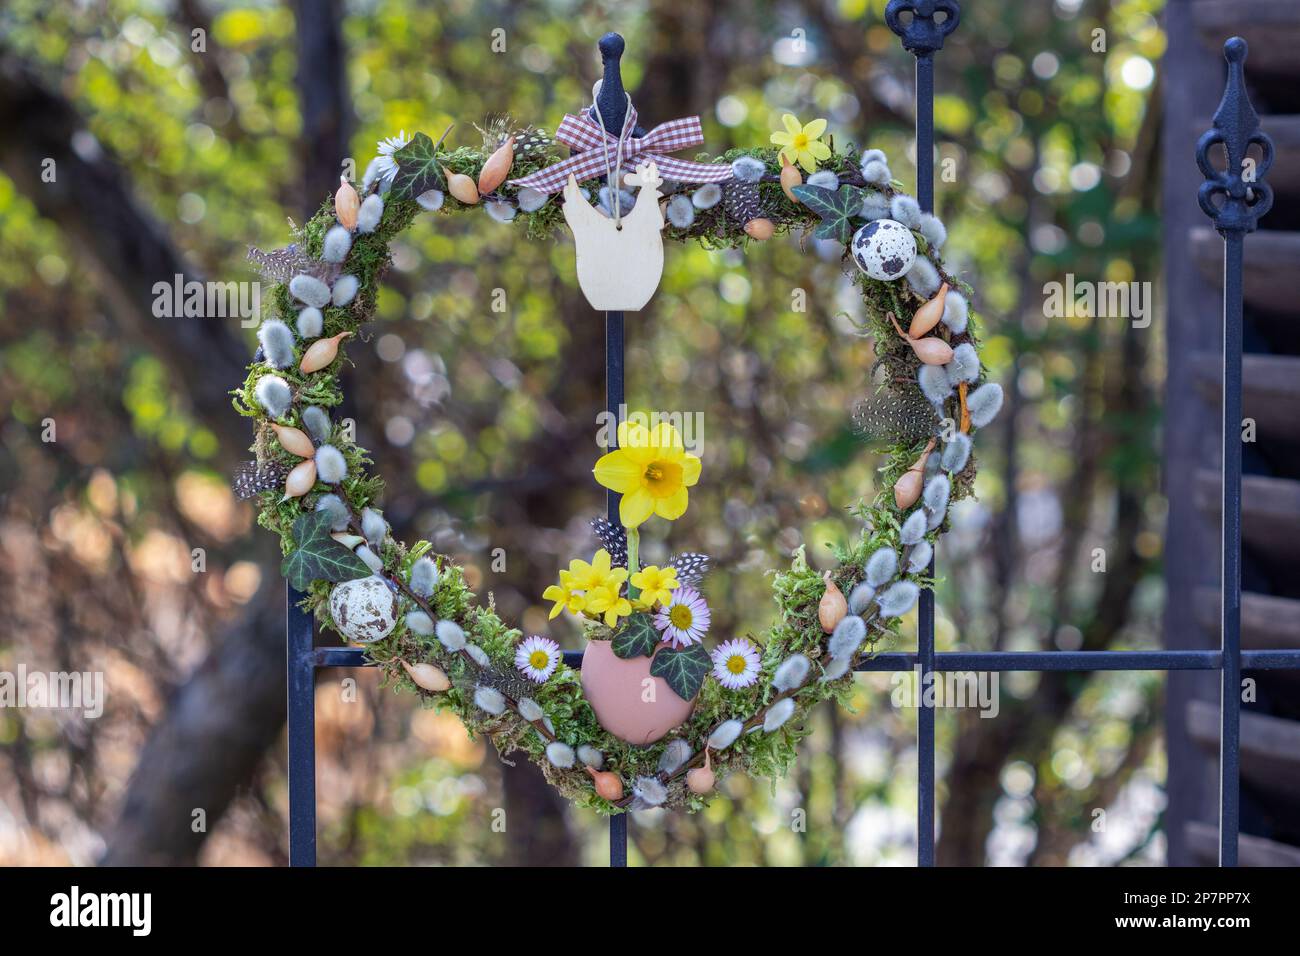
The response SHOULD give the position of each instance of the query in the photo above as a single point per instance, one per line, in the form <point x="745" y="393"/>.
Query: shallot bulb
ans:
<point x="833" y="606"/>
<point x="428" y="676"/>
<point x="321" y="353"/>
<point x="907" y="489"/>
<point x="461" y="187"/>
<point x="301" y="480"/>
<point x="702" y="780"/>
<point x="346" y="205"/>
<point x="497" y="167"/>
<point x="294" y="440"/>
<point x="931" y="350"/>
<point x="607" y="784"/>
<point x="790" y="177"/>
<point x="927" y="316"/>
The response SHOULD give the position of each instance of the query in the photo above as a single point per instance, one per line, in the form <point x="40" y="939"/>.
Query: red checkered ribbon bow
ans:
<point x="584" y="134"/>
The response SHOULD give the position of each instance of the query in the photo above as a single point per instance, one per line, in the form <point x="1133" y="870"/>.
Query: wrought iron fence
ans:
<point x="1234" y="197"/>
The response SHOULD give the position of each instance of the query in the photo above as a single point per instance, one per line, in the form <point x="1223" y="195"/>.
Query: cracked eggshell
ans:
<point x="364" y="609"/>
<point x="884" y="249"/>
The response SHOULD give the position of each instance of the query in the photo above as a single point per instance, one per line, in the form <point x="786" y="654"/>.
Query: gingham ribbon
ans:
<point x="582" y="133"/>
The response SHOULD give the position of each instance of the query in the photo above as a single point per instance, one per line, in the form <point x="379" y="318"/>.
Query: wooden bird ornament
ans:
<point x="620" y="262"/>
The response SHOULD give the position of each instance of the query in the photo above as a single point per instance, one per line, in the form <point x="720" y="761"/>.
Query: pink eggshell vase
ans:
<point x="616" y="690"/>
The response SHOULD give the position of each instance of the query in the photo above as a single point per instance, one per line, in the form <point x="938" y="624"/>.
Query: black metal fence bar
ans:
<point x="1004" y="661"/>
<point x="1243" y="197"/>
<point x="300" y="658"/>
<point x="614" y="397"/>
<point x="922" y="26"/>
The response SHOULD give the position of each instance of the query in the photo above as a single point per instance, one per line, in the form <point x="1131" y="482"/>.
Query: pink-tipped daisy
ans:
<point x="735" y="663"/>
<point x="685" y="619"/>
<point x="537" y="657"/>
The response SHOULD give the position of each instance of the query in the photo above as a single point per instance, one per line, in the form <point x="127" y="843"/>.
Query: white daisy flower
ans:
<point x="685" y="619"/>
<point x="384" y="162"/>
<point x="537" y="657"/>
<point x="735" y="664"/>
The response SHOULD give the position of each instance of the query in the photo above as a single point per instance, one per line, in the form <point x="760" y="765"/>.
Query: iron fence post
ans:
<point x="1230" y="690"/>
<point x="613" y="400"/>
<point x="922" y="25"/>
<point x="300" y="659"/>
<point x="1245" y="197"/>
<point x="611" y="103"/>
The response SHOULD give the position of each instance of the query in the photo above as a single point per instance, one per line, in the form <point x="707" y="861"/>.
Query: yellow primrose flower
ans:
<point x="651" y="470"/>
<point x="656" y="584"/>
<point x="607" y="601"/>
<point x="583" y="576"/>
<point x="564" y="598"/>
<point x="801" y="143"/>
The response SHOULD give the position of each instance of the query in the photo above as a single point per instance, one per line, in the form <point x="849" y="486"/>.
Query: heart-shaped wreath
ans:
<point x="653" y="719"/>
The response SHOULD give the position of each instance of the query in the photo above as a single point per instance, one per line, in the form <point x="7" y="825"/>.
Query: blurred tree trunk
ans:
<point x="208" y="745"/>
<point x="323" y="99"/>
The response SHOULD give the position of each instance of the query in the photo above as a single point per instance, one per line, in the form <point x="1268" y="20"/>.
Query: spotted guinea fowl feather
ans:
<point x="251" y="478"/>
<point x="691" y="566"/>
<point x="613" y="538"/>
<point x="889" y="417"/>
<point x="281" y="265"/>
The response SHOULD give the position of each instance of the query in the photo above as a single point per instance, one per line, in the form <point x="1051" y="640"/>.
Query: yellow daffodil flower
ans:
<point x="651" y="470"/>
<point x="608" y="601"/>
<point x="564" y="598"/>
<point x="656" y="584"/>
<point x="801" y="143"/>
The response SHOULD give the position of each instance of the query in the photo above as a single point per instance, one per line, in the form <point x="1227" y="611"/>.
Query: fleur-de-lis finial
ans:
<point x="1246" y="196"/>
<point x="924" y="33"/>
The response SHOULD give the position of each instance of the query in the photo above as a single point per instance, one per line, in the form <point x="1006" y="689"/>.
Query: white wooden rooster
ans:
<point x="619" y="263"/>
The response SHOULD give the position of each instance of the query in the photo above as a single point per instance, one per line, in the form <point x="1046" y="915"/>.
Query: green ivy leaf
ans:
<point x="318" y="557"/>
<point x="683" y="669"/>
<point x="417" y="168"/>
<point x="836" y="207"/>
<point x="637" y="638"/>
